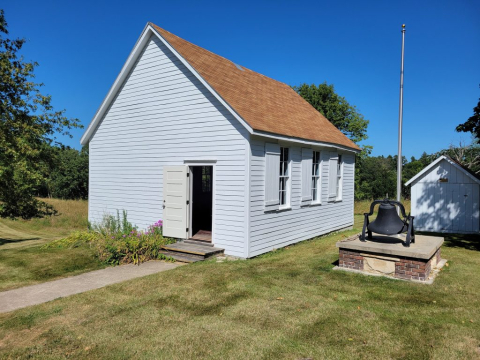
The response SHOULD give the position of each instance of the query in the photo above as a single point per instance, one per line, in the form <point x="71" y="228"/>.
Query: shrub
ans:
<point x="116" y="241"/>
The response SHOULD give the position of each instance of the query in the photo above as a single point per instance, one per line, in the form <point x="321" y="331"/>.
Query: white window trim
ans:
<point x="288" y="184"/>
<point x="340" y="182"/>
<point x="319" y="178"/>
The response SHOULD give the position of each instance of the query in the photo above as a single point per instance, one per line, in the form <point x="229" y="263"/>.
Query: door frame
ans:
<point x="212" y="163"/>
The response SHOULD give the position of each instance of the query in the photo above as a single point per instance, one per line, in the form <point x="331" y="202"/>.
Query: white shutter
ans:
<point x="272" y="176"/>
<point x="307" y="160"/>
<point x="332" y="176"/>
<point x="175" y="196"/>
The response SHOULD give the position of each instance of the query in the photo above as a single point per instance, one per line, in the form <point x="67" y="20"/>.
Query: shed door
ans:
<point x="175" y="198"/>
<point x="466" y="209"/>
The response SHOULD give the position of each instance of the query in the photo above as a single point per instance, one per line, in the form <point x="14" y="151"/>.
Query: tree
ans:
<point x="467" y="156"/>
<point x="68" y="176"/>
<point x="28" y="128"/>
<point x="336" y="109"/>
<point x="472" y="125"/>
<point x="376" y="179"/>
<point x="360" y="160"/>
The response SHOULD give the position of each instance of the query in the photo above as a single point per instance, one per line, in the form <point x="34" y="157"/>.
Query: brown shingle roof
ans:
<point x="265" y="104"/>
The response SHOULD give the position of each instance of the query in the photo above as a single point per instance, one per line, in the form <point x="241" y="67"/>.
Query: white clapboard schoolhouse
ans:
<point x="219" y="152"/>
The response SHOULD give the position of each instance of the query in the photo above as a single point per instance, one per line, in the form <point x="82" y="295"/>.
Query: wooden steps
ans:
<point x="188" y="252"/>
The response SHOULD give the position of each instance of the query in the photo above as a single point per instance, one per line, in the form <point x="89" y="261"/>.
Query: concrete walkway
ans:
<point x="40" y="293"/>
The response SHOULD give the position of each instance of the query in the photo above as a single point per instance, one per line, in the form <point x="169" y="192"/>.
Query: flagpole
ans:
<point x="400" y="120"/>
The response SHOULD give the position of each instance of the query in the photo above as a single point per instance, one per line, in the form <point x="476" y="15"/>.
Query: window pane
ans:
<point x="283" y="175"/>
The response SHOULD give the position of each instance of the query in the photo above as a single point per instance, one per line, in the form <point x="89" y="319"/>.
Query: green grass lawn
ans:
<point x="23" y="261"/>
<point x="287" y="304"/>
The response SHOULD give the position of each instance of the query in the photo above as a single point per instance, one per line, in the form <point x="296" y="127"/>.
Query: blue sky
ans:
<point x="355" y="45"/>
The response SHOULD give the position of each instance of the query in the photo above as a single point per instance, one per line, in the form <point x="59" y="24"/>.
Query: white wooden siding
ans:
<point x="162" y="116"/>
<point x="451" y="206"/>
<point x="270" y="230"/>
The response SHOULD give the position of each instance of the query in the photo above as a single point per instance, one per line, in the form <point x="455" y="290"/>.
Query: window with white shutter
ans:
<point x="272" y="173"/>
<point x="307" y="155"/>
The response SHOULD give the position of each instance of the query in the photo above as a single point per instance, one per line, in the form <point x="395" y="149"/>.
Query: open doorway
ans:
<point x="201" y="203"/>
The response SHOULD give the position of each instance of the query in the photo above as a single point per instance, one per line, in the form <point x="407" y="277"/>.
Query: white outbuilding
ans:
<point x="445" y="198"/>
<point x="220" y="153"/>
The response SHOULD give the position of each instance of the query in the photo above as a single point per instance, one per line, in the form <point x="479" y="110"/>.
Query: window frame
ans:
<point x="316" y="178"/>
<point x="286" y="176"/>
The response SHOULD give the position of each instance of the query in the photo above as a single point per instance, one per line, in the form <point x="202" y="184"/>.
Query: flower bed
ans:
<point x="116" y="241"/>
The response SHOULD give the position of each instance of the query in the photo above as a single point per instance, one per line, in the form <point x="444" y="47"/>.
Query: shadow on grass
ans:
<point x="465" y="241"/>
<point x="4" y="241"/>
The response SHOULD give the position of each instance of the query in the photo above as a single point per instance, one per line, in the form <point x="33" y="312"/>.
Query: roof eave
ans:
<point x="305" y="141"/>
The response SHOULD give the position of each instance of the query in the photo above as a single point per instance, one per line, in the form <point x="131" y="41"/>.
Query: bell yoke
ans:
<point x="388" y="222"/>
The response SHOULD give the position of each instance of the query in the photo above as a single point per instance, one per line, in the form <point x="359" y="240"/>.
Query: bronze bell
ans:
<point x="388" y="222"/>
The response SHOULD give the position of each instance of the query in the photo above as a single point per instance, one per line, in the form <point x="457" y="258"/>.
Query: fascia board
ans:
<point x="303" y="141"/>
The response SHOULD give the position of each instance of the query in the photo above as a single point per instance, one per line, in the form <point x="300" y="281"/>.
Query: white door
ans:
<point x="175" y="201"/>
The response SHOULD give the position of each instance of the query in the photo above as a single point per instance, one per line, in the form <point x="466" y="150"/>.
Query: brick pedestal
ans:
<point x="351" y="260"/>
<point x="391" y="259"/>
